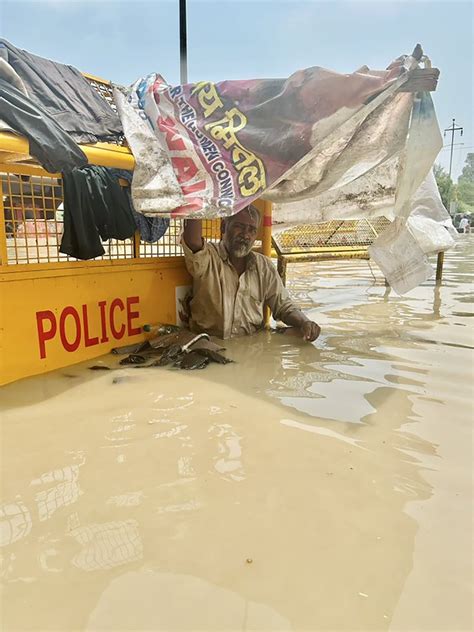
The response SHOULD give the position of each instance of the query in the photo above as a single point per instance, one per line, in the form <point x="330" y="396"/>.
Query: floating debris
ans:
<point x="161" y="330"/>
<point x="122" y="378"/>
<point x="133" y="358"/>
<point x="162" y="342"/>
<point x="215" y="356"/>
<point x="174" y="346"/>
<point x="193" y="360"/>
<point x="136" y="348"/>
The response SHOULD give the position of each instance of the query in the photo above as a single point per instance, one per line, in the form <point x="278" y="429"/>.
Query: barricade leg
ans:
<point x="439" y="267"/>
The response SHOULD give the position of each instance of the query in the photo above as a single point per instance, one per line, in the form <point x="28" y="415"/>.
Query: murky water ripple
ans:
<point x="305" y="487"/>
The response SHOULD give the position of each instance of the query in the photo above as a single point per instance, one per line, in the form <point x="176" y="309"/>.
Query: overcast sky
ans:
<point x="122" y="40"/>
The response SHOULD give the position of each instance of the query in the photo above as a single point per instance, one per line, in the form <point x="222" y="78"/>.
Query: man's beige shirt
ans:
<point x="225" y="304"/>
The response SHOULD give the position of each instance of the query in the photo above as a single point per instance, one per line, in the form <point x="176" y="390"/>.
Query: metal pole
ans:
<point x="452" y="129"/>
<point x="439" y="267"/>
<point x="267" y="244"/>
<point x="3" y="235"/>
<point x="451" y="153"/>
<point x="183" y="43"/>
<point x="267" y="229"/>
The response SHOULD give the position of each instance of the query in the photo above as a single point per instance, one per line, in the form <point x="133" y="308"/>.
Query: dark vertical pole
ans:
<point x="452" y="129"/>
<point x="439" y="267"/>
<point x="452" y="146"/>
<point x="183" y="43"/>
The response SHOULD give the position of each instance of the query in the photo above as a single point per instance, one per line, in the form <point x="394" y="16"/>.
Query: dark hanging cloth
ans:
<point x="66" y="95"/>
<point x="49" y="143"/>
<point x="95" y="208"/>
<point x="151" y="229"/>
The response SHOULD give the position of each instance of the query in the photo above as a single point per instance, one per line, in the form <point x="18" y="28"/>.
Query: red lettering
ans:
<point x="132" y="300"/>
<point x="193" y="188"/>
<point x="117" y="334"/>
<point x="44" y="335"/>
<point x="89" y="342"/>
<point x="103" y="322"/>
<point x="71" y="337"/>
<point x="192" y="204"/>
<point x="166" y="125"/>
<point x="69" y="311"/>
<point x="184" y="167"/>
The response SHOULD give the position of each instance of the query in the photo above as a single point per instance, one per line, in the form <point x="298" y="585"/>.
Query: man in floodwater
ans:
<point x="232" y="284"/>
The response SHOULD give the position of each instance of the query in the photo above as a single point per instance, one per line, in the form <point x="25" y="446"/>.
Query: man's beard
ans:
<point x="240" y="248"/>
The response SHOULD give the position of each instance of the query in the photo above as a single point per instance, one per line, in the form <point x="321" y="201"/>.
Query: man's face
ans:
<point x="240" y="234"/>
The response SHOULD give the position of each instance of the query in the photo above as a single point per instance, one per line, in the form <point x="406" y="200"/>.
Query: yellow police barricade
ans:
<point x="55" y="310"/>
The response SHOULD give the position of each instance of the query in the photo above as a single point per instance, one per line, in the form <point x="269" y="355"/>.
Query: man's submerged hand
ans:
<point x="310" y="330"/>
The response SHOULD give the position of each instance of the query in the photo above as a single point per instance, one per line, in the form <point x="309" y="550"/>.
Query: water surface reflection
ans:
<point x="295" y="489"/>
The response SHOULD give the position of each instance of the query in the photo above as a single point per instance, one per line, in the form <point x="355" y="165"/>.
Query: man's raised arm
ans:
<point x="192" y="234"/>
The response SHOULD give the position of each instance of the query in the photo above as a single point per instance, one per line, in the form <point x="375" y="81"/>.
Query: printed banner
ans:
<point x="231" y="141"/>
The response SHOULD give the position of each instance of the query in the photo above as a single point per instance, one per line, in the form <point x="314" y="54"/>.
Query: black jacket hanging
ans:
<point x="95" y="208"/>
<point x="49" y="143"/>
<point x="65" y="94"/>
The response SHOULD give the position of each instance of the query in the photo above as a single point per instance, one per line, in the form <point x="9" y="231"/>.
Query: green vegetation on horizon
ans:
<point x="462" y="192"/>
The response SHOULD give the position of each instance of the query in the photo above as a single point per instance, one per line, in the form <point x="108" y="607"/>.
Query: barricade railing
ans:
<point x="336" y="239"/>
<point x="32" y="224"/>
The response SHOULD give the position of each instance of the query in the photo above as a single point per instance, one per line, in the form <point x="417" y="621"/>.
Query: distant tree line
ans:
<point x="463" y="192"/>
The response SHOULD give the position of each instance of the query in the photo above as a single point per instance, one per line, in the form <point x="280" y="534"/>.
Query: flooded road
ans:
<point x="320" y="486"/>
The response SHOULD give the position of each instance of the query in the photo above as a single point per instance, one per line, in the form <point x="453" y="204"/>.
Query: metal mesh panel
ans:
<point x="339" y="233"/>
<point x="211" y="229"/>
<point x="167" y="246"/>
<point x="104" y="88"/>
<point x="118" y="249"/>
<point x="33" y="220"/>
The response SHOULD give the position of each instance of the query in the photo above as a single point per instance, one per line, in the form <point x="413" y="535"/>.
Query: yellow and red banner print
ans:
<point x="319" y="145"/>
<point x="228" y="142"/>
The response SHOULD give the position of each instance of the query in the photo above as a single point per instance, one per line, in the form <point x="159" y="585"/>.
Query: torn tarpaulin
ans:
<point x="320" y="145"/>
<point x="218" y="146"/>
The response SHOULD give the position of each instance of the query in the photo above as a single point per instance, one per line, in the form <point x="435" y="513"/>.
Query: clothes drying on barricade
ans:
<point x="96" y="208"/>
<point x="11" y="76"/>
<point x="54" y="148"/>
<point x="152" y="228"/>
<point x="66" y="96"/>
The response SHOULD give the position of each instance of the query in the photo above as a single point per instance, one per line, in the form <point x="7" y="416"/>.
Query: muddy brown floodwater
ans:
<point x="320" y="486"/>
